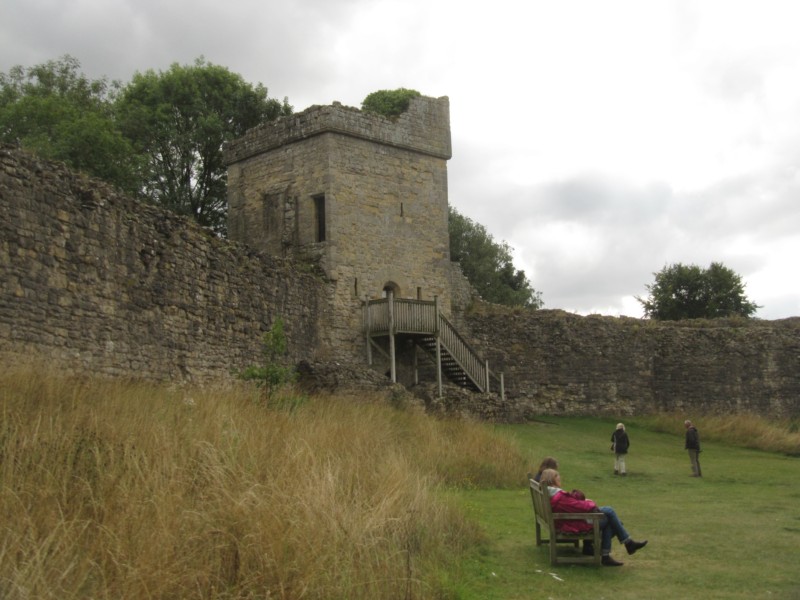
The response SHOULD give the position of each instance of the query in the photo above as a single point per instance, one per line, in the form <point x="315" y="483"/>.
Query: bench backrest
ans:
<point x="541" y="504"/>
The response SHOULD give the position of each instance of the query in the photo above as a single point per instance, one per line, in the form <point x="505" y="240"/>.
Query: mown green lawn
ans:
<point x="734" y="533"/>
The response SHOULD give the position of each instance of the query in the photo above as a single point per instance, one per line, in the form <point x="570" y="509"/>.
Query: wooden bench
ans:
<point x="546" y="521"/>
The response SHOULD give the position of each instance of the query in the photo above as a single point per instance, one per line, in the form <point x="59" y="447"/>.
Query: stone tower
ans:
<point x="361" y="196"/>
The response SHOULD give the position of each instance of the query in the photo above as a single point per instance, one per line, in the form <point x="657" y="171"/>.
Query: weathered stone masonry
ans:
<point x="561" y="363"/>
<point x="95" y="281"/>
<point x="362" y="196"/>
<point x="92" y="281"/>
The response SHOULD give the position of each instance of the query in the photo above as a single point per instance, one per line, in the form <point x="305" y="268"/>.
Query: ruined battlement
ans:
<point x="423" y="128"/>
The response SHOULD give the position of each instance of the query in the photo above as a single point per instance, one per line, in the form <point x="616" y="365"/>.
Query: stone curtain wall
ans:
<point x="559" y="363"/>
<point x="95" y="281"/>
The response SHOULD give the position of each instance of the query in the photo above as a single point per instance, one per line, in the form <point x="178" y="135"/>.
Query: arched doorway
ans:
<point x="390" y="287"/>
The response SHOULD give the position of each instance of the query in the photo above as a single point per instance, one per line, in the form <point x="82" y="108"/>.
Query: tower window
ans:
<point x="319" y="218"/>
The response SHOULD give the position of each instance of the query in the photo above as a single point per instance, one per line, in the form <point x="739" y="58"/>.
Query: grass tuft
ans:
<point x="113" y="489"/>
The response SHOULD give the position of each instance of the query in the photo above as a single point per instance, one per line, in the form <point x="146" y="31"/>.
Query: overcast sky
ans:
<point x="601" y="140"/>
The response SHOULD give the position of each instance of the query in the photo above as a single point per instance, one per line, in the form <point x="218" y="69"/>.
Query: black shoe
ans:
<point x="588" y="549"/>
<point x="610" y="562"/>
<point x="632" y="546"/>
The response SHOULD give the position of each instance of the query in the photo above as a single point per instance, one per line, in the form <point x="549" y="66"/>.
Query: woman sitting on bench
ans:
<point x="565" y="502"/>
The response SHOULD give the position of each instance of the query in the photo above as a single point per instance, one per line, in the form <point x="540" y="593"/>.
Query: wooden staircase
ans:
<point x="423" y="322"/>
<point x="451" y="368"/>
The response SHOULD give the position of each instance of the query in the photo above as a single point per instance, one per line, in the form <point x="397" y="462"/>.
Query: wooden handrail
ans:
<point x="469" y="360"/>
<point x="410" y="316"/>
<point x="420" y="317"/>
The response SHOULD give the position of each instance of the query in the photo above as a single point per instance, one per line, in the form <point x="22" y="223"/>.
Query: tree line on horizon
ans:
<point x="159" y="138"/>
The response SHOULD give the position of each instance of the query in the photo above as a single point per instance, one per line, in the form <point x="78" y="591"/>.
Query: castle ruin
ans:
<point x="364" y="199"/>
<point x="333" y="212"/>
<point x="363" y="195"/>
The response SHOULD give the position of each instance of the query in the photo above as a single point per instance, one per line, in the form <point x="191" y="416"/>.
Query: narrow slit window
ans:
<point x="319" y="218"/>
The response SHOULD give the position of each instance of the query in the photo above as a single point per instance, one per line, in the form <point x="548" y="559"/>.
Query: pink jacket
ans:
<point x="564" y="502"/>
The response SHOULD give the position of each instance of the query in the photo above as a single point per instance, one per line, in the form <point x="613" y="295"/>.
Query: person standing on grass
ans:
<point x="619" y="445"/>
<point x="610" y="525"/>
<point x="693" y="446"/>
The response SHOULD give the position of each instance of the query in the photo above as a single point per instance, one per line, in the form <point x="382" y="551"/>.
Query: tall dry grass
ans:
<point x="745" y="430"/>
<point x="127" y="490"/>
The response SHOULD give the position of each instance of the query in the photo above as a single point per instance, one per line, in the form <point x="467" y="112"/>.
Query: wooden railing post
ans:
<point x="439" y="363"/>
<point x="391" y="337"/>
<point x="502" y="388"/>
<point x="436" y="334"/>
<point x="416" y="366"/>
<point x="368" y="325"/>
<point x="486" y="364"/>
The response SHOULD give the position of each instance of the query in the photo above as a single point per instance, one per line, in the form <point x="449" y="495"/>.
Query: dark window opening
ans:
<point x="319" y="218"/>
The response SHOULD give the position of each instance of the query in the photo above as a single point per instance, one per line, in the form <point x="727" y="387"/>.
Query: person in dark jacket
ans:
<point x="611" y="526"/>
<point x="693" y="446"/>
<point x="619" y="445"/>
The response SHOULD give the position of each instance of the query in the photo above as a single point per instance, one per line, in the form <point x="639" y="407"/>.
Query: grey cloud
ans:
<point x="282" y="46"/>
<point x="735" y="79"/>
<point x="762" y="205"/>
<point x="633" y="232"/>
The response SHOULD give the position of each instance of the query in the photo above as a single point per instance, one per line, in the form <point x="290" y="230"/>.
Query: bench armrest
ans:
<point x="595" y="516"/>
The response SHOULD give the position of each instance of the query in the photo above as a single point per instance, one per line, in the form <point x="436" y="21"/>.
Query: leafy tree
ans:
<point x="54" y="110"/>
<point x="488" y="265"/>
<point x="179" y="120"/>
<point x="389" y="103"/>
<point x="690" y="292"/>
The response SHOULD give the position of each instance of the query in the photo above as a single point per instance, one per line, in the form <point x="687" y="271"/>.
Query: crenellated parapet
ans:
<point x="423" y="128"/>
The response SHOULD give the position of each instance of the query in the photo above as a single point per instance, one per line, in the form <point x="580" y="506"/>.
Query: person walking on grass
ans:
<point x="610" y="525"/>
<point x="619" y="446"/>
<point x="693" y="446"/>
